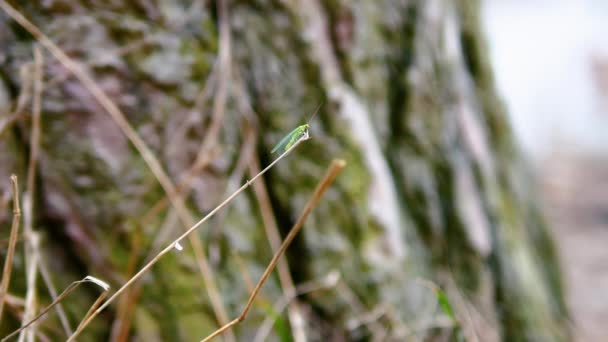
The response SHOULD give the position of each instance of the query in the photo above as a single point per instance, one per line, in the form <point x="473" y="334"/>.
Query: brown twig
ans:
<point x="32" y="240"/>
<point x="93" y="307"/>
<point x="172" y="245"/>
<point x="122" y="321"/>
<point x="329" y="281"/>
<point x="24" y="95"/>
<point x="208" y="147"/>
<point x="8" y="263"/>
<point x="63" y="294"/>
<point x="274" y="238"/>
<point x="137" y="142"/>
<point x="334" y="169"/>
<point x="249" y="136"/>
<point x="35" y="137"/>
<point x="46" y="277"/>
<point x="353" y="301"/>
<point x="32" y="257"/>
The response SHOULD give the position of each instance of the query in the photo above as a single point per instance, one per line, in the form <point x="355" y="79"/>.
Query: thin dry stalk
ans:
<point x="32" y="240"/>
<point x="248" y="281"/>
<point x="32" y="257"/>
<point x="246" y="153"/>
<point x="97" y="93"/>
<point x="334" y="169"/>
<point x="294" y="313"/>
<point x="122" y="321"/>
<point x="24" y="95"/>
<point x="93" y="307"/>
<point x="221" y="96"/>
<point x="46" y="277"/>
<point x="139" y="144"/>
<point x="207" y="150"/>
<point x="8" y="263"/>
<point x="172" y="245"/>
<point x="327" y="282"/>
<point x="28" y="205"/>
<point x="60" y="298"/>
<point x="356" y="305"/>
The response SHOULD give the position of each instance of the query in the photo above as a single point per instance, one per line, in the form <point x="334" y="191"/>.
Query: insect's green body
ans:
<point x="291" y="138"/>
<point x="299" y="133"/>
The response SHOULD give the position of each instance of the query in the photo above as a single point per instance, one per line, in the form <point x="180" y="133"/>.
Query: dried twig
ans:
<point x="65" y="293"/>
<point x="120" y="119"/>
<point x="32" y="240"/>
<point x="32" y="257"/>
<point x="31" y="176"/>
<point x="8" y="263"/>
<point x="35" y="136"/>
<point x="274" y="238"/>
<point x="46" y="277"/>
<point x="327" y="282"/>
<point x="334" y="169"/>
<point x="172" y="245"/>
<point x="24" y="95"/>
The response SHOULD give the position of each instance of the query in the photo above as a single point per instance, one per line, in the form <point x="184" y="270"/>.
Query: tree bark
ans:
<point x="435" y="194"/>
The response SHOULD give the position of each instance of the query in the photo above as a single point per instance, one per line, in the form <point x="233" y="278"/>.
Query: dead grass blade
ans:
<point x="120" y="119"/>
<point x="25" y="75"/>
<point x="175" y="243"/>
<point x="65" y="293"/>
<point x="46" y="277"/>
<point x="334" y="169"/>
<point x="32" y="239"/>
<point x="327" y="282"/>
<point x="8" y="263"/>
<point x="32" y="257"/>
<point x="294" y="313"/>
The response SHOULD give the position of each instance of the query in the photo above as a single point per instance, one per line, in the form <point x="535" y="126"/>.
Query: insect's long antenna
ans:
<point x="315" y="113"/>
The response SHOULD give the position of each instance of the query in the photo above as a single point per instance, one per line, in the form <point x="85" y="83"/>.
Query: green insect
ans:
<point x="299" y="133"/>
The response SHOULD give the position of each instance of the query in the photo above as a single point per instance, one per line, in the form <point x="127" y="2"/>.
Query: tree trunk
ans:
<point x="434" y="195"/>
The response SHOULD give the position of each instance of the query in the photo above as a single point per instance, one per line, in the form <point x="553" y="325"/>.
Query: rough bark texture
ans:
<point x="434" y="188"/>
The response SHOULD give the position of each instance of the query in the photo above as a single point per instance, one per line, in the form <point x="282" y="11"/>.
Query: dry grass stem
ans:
<point x="93" y="307"/>
<point x="61" y="297"/>
<point x="34" y="142"/>
<point x="294" y="313"/>
<point x="220" y="71"/>
<point x="8" y="263"/>
<point x="247" y="151"/>
<point x="120" y="119"/>
<point x="327" y="282"/>
<point x="32" y="240"/>
<point x="357" y="307"/>
<point x="334" y="169"/>
<point x="172" y="245"/>
<point x="25" y="75"/>
<point x="46" y="277"/>
<point x="32" y="258"/>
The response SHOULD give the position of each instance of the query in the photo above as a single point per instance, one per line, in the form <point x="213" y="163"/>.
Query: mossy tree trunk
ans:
<point x="434" y="188"/>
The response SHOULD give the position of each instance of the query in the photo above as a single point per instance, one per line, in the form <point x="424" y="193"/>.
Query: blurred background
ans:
<point x="551" y="65"/>
<point x="474" y="133"/>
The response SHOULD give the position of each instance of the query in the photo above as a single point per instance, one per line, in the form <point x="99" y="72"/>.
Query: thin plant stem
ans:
<point x="119" y="118"/>
<point x="93" y="307"/>
<point x="327" y="282"/>
<point x="32" y="256"/>
<point x="25" y="75"/>
<point x="32" y="240"/>
<point x="8" y="263"/>
<point x="63" y="294"/>
<point x="172" y="245"/>
<point x="334" y="169"/>
<point x="46" y="277"/>
<point x="35" y="138"/>
<point x="274" y="239"/>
